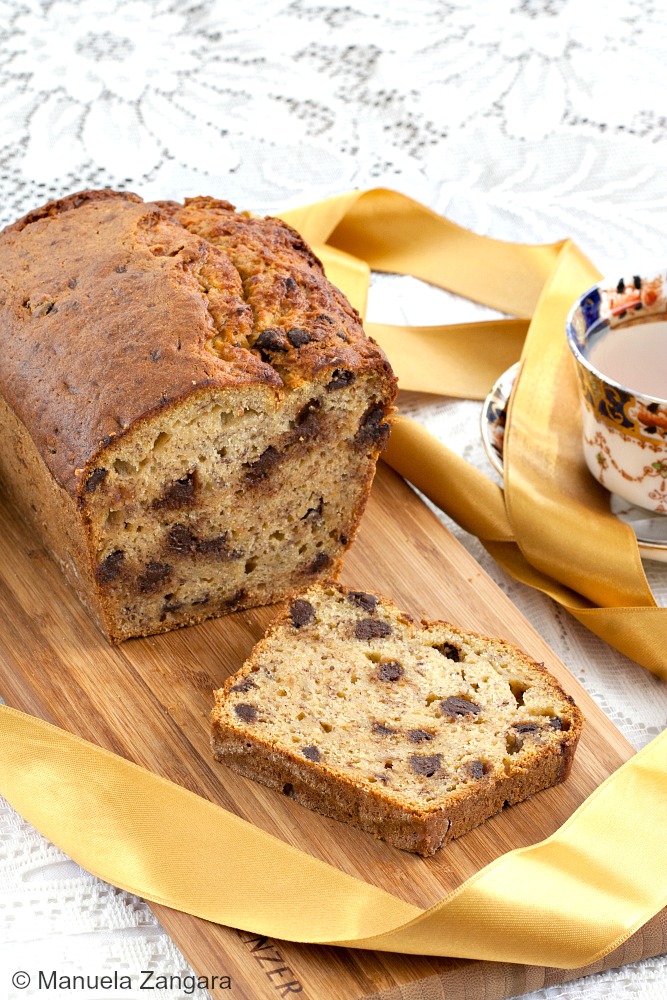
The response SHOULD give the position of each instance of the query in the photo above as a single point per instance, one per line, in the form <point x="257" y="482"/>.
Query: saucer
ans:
<point x="649" y="527"/>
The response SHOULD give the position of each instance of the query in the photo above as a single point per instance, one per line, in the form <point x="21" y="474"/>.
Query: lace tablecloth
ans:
<point x="527" y="120"/>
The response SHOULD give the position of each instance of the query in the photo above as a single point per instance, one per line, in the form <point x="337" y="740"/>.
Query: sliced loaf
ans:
<point x="416" y="733"/>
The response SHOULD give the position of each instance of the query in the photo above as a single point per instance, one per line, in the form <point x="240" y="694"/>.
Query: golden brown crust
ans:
<point x="113" y="310"/>
<point x="256" y="751"/>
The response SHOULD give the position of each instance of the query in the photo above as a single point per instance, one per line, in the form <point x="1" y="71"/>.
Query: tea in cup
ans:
<point x="617" y="332"/>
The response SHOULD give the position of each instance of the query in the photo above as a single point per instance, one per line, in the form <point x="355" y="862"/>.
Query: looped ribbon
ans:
<point x="565" y="902"/>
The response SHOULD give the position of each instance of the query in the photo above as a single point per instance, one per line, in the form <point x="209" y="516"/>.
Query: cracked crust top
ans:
<point x="113" y="308"/>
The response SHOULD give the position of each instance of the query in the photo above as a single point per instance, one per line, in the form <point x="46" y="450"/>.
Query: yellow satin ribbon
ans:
<point x="565" y="902"/>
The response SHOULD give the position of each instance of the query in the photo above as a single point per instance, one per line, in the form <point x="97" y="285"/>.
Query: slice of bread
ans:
<point x="415" y="733"/>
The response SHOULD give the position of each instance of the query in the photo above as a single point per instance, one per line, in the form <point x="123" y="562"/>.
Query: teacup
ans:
<point x="617" y="332"/>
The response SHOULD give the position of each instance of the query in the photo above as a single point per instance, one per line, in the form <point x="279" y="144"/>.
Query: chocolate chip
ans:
<point x="235" y="599"/>
<point x="372" y="430"/>
<point x="96" y="477"/>
<point x="301" y="612"/>
<point x="555" y="722"/>
<point x="371" y="628"/>
<point x="72" y="283"/>
<point x="270" y="340"/>
<point x="110" y="567"/>
<point x="381" y="730"/>
<point x="525" y="727"/>
<point x="419" y="736"/>
<point x="320" y="562"/>
<point x="155" y="354"/>
<point x="449" y="650"/>
<point x="246" y="712"/>
<point x="340" y="379"/>
<point x="154" y="574"/>
<point x="368" y="602"/>
<point x="425" y="765"/>
<point x="457" y="707"/>
<point x="308" y="419"/>
<point x="311" y="753"/>
<point x="298" y="337"/>
<point x="475" y="769"/>
<point x="343" y="539"/>
<point x="260" y="468"/>
<point x="121" y="269"/>
<point x="181" y="539"/>
<point x="178" y="494"/>
<point x="314" y="513"/>
<point x="217" y="546"/>
<point x="620" y="287"/>
<point x="390" y="671"/>
<point x="290" y="284"/>
<point x="245" y="685"/>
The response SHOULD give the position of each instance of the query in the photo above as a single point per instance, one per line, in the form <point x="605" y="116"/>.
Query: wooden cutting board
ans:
<point x="149" y="700"/>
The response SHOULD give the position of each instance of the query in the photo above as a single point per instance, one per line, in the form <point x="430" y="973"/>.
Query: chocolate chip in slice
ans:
<point x="181" y="539"/>
<point x="449" y="650"/>
<point x="245" y="685"/>
<point x="96" y="477"/>
<point x="110" y="567"/>
<point x="372" y="430"/>
<point x="390" y="671"/>
<point x="555" y="722"/>
<point x="457" y="707"/>
<point x="382" y="730"/>
<point x="298" y="337"/>
<point x="419" y="736"/>
<point x="314" y="513"/>
<point x="425" y="765"/>
<point x="368" y="602"/>
<point x="475" y="769"/>
<point x="178" y="494"/>
<point x="340" y="379"/>
<point x="260" y="468"/>
<point x="301" y="612"/>
<point x="217" y="546"/>
<point x="232" y="601"/>
<point x="320" y="562"/>
<point x="371" y="628"/>
<point x="153" y="575"/>
<point x="246" y="712"/>
<point x="525" y="727"/>
<point x="311" y="753"/>
<point x="308" y="419"/>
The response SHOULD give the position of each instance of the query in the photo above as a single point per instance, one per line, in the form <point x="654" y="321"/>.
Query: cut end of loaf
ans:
<point x="413" y="733"/>
<point x="230" y="500"/>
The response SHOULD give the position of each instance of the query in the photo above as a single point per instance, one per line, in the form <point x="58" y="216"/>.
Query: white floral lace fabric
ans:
<point x="527" y="120"/>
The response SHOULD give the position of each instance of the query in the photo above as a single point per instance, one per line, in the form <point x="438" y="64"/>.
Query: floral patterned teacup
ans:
<point x="624" y="427"/>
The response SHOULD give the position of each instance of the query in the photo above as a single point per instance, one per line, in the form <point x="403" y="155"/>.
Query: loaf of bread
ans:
<point x="416" y="733"/>
<point x="190" y="412"/>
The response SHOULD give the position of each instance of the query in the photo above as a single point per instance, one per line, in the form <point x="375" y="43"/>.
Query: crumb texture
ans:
<point x="416" y="733"/>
